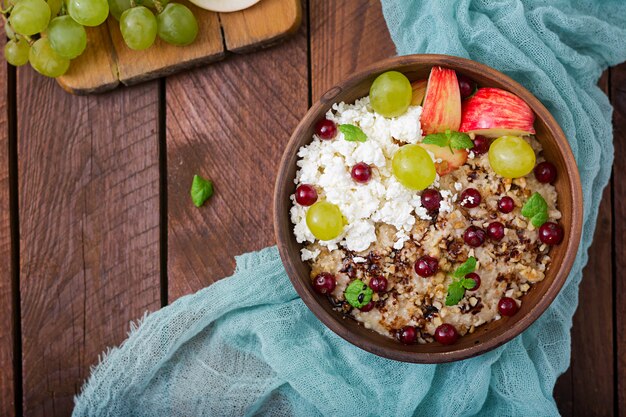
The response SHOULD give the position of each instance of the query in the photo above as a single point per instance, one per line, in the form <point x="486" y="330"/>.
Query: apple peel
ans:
<point x="442" y="102"/>
<point x="493" y="112"/>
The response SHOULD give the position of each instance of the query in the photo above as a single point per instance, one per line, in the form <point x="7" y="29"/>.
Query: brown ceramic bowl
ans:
<point x="487" y="336"/>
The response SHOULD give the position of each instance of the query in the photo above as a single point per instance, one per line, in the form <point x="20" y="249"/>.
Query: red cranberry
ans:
<point x="470" y="198"/>
<point x="426" y="266"/>
<point x="474" y="236"/>
<point x="506" y="204"/>
<point x="324" y="283"/>
<point x="495" y="231"/>
<point x="408" y="335"/>
<point x="551" y="233"/>
<point x="467" y="86"/>
<point x="378" y="283"/>
<point x="545" y="172"/>
<point x="446" y="334"/>
<point x="326" y="129"/>
<point x="431" y="199"/>
<point x="474" y="277"/>
<point x="367" y="307"/>
<point x="306" y="195"/>
<point x="481" y="145"/>
<point x="507" y="306"/>
<point x="361" y="172"/>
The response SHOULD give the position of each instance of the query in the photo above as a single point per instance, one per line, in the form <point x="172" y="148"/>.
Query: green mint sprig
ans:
<point x="456" y="290"/>
<point x="536" y="209"/>
<point x="352" y="133"/>
<point x="454" y="140"/>
<point x="358" y="294"/>
<point x="201" y="190"/>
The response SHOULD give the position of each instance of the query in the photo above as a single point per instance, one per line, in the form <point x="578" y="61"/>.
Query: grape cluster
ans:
<point x="49" y="34"/>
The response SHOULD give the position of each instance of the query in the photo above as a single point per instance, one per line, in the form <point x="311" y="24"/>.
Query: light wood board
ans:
<point x="108" y="62"/>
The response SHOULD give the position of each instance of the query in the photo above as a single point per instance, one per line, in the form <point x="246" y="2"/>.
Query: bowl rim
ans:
<point x="283" y="229"/>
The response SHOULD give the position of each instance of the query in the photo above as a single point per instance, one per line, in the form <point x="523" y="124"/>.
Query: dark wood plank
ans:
<point x="89" y="230"/>
<point x="7" y="403"/>
<point x="584" y="390"/>
<point x="346" y="36"/>
<point x="618" y="99"/>
<point x="228" y="122"/>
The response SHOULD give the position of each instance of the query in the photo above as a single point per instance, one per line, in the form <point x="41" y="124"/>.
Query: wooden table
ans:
<point x="96" y="224"/>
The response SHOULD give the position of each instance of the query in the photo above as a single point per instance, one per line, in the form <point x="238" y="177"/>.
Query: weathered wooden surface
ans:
<point x="108" y="61"/>
<point x="230" y="127"/>
<point x="89" y="180"/>
<point x="7" y="406"/>
<point x="618" y="97"/>
<point x="89" y="230"/>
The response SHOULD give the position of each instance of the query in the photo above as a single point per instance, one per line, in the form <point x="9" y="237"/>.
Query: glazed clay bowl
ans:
<point x="487" y="336"/>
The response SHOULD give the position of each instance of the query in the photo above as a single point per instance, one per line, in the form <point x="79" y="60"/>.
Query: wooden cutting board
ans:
<point x="107" y="61"/>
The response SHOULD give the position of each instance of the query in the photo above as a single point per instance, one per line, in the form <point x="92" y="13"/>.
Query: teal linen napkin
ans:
<point x="247" y="345"/>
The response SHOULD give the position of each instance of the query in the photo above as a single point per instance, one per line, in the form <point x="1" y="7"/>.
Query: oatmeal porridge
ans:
<point x="423" y="212"/>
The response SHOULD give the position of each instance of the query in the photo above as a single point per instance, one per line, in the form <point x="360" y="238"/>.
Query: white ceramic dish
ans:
<point x="224" y="6"/>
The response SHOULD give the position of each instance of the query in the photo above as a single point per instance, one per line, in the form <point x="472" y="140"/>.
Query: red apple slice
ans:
<point x="450" y="159"/>
<point x="419" y="91"/>
<point x="442" y="102"/>
<point x="493" y="112"/>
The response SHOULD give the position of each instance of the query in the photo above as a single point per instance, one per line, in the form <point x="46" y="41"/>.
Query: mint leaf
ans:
<point x="536" y="209"/>
<point x="352" y="133"/>
<point x="465" y="268"/>
<point x="467" y="283"/>
<point x="439" y="139"/>
<point x="201" y="190"/>
<point x="460" y="140"/>
<point x="455" y="293"/>
<point x="358" y="294"/>
<point x="455" y="140"/>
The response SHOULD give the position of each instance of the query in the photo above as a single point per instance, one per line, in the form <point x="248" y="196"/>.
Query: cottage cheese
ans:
<point x="327" y="165"/>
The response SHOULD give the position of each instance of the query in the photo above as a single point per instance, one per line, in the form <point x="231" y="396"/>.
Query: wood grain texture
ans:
<point x="260" y="25"/>
<point x="228" y="122"/>
<point x="162" y="58"/>
<point x="95" y="70"/>
<point x="618" y="99"/>
<point x="108" y="61"/>
<point x="89" y="223"/>
<point x="7" y="403"/>
<point x="586" y="389"/>
<point x="345" y="36"/>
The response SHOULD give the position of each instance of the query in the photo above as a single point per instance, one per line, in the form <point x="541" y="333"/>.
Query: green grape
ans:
<point x="511" y="157"/>
<point x="9" y="31"/>
<point x="88" y="12"/>
<point x="117" y="7"/>
<point x="139" y="28"/>
<point x="30" y="17"/>
<point x="150" y="3"/>
<point x="46" y="61"/>
<point x="413" y="167"/>
<point x="324" y="220"/>
<point x="67" y="38"/>
<point x="16" y="53"/>
<point x="177" y="25"/>
<point x="390" y="94"/>
<point x="55" y="7"/>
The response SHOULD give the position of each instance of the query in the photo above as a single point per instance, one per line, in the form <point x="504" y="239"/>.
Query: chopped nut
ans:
<point x="473" y="301"/>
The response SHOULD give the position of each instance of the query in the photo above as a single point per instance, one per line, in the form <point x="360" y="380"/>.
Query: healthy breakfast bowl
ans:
<point x="428" y="209"/>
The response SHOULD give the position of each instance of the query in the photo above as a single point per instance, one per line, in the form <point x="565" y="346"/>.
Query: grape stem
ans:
<point x="158" y="6"/>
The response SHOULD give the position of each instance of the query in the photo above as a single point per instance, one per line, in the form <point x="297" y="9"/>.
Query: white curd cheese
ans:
<point x="326" y="165"/>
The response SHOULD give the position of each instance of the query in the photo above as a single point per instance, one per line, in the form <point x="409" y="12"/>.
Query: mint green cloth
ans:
<point x="247" y="345"/>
